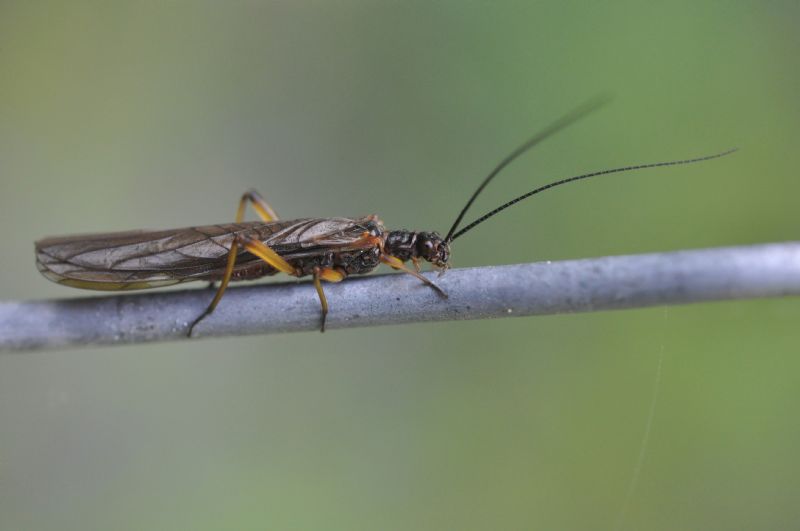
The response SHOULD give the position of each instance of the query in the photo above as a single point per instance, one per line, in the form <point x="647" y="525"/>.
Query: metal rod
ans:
<point x="608" y="283"/>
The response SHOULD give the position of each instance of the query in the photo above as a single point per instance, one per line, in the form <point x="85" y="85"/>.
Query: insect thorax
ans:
<point x="356" y="262"/>
<point x="408" y="245"/>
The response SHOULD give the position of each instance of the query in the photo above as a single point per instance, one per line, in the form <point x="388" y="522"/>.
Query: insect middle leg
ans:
<point x="262" y="208"/>
<point x="255" y="247"/>
<point x="331" y="275"/>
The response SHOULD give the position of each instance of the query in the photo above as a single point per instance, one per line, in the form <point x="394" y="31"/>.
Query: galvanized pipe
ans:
<point x="596" y="284"/>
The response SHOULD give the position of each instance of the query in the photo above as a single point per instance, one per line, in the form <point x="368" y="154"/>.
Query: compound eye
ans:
<point x="428" y="245"/>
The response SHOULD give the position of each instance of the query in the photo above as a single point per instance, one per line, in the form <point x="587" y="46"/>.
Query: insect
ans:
<point x="327" y="249"/>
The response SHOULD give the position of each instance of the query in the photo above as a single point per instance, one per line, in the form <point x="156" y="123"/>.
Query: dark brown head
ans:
<point x="429" y="246"/>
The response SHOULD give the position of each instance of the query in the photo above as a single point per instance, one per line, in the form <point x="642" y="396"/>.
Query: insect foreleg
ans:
<point x="331" y="275"/>
<point x="396" y="263"/>
<point x="255" y="247"/>
<point x="262" y="208"/>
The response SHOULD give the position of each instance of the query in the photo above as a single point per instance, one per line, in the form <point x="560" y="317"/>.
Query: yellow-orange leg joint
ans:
<point x="255" y="247"/>
<point x="262" y="208"/>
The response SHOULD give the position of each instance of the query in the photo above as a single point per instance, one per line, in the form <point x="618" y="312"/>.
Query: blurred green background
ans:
<point x="119" y="115"/>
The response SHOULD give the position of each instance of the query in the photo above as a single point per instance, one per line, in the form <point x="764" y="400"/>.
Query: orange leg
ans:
<point x="331" y="275"/>
<point x="396" y="263"/>
<point x="255" y="247"/>
<point x="262" y="208"/>
<point x="264" y="252"/>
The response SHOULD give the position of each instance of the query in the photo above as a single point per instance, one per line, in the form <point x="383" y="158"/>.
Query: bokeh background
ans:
<point x="119" y="115"/>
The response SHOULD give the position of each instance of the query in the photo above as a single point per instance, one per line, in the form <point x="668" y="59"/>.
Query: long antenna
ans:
<point x="578" y="178"/>
<point x="568" y="119"/>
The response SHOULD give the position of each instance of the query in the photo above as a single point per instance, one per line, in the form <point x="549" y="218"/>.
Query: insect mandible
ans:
<point x="328" y="249"/>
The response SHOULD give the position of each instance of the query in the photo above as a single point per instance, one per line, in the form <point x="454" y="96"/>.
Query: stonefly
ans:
<point x="328" y="249"/>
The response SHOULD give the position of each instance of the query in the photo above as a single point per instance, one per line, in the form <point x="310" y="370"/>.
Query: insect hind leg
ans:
<point x="255" y="247"/>
<point x="226" y="277"/>
<point x="262" y="208"/>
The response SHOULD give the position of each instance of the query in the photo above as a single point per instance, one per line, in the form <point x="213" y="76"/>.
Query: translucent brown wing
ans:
<point x="306" y="237"/>
<point x="145" y="259"/>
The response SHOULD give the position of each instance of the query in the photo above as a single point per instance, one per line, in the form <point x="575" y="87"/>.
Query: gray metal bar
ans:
<point x="501" y="291"/>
